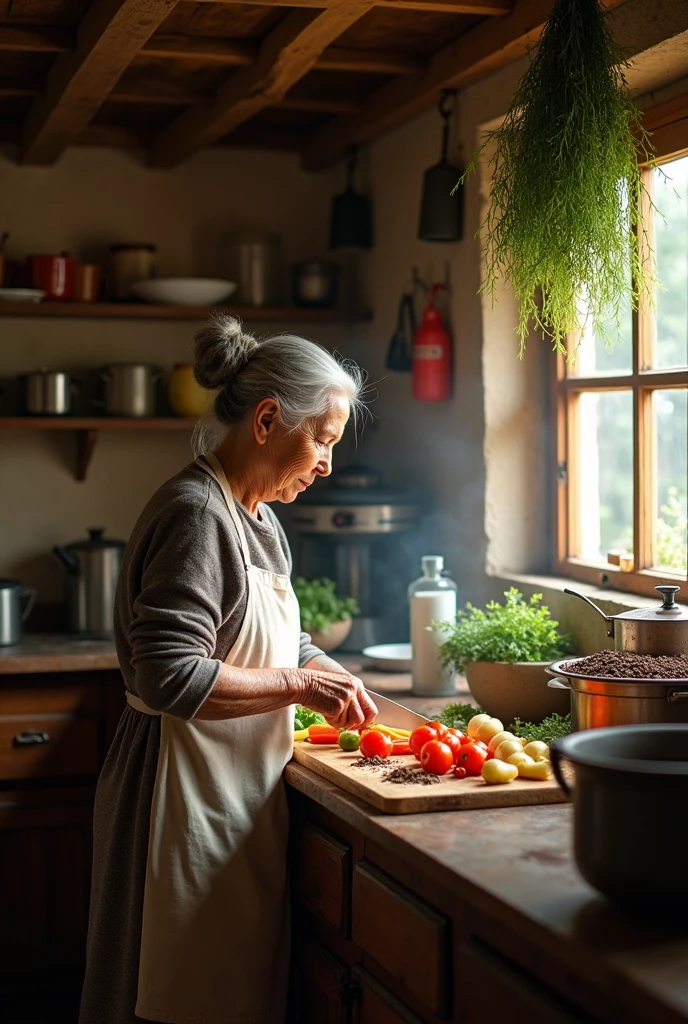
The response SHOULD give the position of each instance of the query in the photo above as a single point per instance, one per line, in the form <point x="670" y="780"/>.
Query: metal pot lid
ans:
<point x="8" y="584"/>
<point x="96" y="541"/>
<point x="668" y="611"/>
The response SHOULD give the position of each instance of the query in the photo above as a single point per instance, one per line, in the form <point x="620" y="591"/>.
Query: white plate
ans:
<point x="184" y="291"/>
<point x="390" y="657"/>
<point x="21" y="295"/>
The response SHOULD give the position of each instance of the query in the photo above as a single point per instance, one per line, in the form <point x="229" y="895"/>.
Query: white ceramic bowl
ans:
<point x="389" y="657"/>
<point x="183" y="291"/>
<point x="21" y="295"/>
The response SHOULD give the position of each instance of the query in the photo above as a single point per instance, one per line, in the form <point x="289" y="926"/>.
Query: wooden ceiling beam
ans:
<point x="109" y="36"/>
<point x="288" y="53"/>
<point x="484" y="7"/>
<point x="480" y="52"/>
<point x="210" y="50"/>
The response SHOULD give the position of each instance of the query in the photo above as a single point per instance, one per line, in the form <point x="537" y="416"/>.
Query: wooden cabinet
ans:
<point x="322" y="875"/>
<point x="374" y="1004"/>
<point x="322" y="992"/>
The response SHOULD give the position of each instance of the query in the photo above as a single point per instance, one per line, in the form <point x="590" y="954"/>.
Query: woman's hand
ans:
<point x="340" y="697"/>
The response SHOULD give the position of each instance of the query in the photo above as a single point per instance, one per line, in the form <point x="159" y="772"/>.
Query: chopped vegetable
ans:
<point x="300" y="734"/>
<point x="349" y="740"/>
<point x="401" y="747"/>
<point x="549" y="730"/>
<point x="497" y="773"/>
<point x="323" y="734"/>
<point x="389" y="731"/>
<point x="306" y="717"/>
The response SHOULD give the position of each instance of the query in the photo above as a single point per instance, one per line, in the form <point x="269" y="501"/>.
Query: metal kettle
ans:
<point x="661" y="630"/>
<point x="92" y="571"/>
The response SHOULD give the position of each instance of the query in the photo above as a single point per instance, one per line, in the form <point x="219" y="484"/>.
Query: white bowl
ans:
<point x="390" y="657"/>
<point x="21" y="295"/>
<point x="183" y="291"/>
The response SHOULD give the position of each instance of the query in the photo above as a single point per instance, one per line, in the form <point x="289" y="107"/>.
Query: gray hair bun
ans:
<point x="221" y="350"/>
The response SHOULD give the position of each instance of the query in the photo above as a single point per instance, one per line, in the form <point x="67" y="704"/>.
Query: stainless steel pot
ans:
<point x="630" y="827"/>
<point x="661" y="630"/>
<point x="597" y="703"/>
<point x="46" y="393"/>
<point x="131" y="389"/>
<point x="315" y="283"/>
<point x="92" y="571"/>
<point x="16" y="601"/>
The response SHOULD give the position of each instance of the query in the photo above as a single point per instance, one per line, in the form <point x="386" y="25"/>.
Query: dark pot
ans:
<point x="629" y="801"/>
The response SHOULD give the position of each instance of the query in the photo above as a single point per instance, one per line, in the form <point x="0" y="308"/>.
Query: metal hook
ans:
<point x="442" y="105"/>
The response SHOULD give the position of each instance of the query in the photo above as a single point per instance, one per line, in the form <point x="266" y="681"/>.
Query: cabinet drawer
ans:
<point x="403" y="934"/>
<point x="323" y="876"/>
<point x="513" y="995"/>
<point x="35" y="696"/>
<point x="48" y="746"/>
<point x="375" y="1005"/>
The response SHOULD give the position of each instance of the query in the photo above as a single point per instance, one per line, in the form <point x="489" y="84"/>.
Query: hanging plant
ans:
<point x="565" y="220"/>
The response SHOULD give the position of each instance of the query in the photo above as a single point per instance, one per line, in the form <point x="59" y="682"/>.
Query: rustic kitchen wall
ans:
<point x="91" y="198"/>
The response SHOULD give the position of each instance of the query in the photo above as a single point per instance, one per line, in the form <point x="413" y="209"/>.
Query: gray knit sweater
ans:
<point x="181" y="596"/>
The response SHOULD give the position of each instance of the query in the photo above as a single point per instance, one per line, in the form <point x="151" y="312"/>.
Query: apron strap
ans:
<point x="135" y="702"/>
<point x="215" y="470"/>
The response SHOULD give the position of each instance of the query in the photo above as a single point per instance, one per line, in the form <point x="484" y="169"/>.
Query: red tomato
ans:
<point x="375" y="743"/>
<point x="454" y="743"/>
<point x="441" y="729"/>
<point x="457" y="732"/>
<point x="459" y="772"/>
<point x="419" y="737"/>
<point x="472" y="757"/>
<point x="436" y="757"/>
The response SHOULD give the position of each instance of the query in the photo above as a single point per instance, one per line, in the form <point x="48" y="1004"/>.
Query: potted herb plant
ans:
<point x="504" y="650"/>
<point x="325" y="615"/>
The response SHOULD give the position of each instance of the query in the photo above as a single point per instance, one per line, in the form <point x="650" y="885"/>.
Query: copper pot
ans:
<point x="661" y="630"/>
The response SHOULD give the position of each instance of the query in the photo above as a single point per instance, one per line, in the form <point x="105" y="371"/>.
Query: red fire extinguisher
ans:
<point x="432" y="369"/>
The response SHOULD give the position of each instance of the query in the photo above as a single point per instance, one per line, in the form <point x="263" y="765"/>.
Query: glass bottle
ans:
<point x="432" y="598"/>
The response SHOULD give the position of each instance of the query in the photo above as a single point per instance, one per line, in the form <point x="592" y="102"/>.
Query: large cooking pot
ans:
<point x="629" y="806"/>
<point x="46" y="393"/>
<point x="597" y="703"/>
<point x="16" y="601"/>
<point x="661" y="630"/>
<point x="131" y="389"/>
<point x="92" y="570"/>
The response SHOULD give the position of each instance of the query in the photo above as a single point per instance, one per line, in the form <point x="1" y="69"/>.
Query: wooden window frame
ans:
<point x="669" y="126"/>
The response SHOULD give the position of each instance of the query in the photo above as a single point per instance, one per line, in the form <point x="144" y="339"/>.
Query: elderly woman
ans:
<point x="189" y="914"/>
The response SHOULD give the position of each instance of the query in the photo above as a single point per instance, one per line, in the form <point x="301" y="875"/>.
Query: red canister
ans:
<point x="432" y="355"/>
<point x="54" y="275"/>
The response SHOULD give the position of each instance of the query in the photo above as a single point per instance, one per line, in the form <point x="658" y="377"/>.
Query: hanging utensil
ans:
<point x="351" y="222"/>
<point x="401" y="344"/>
<point x="441" y="214"/>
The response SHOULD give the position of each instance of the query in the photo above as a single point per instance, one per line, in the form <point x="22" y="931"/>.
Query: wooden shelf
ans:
<point x="145" y="311"/>
<point x="87" y="429"/>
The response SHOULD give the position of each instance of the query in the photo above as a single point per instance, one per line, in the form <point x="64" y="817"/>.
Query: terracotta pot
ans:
<point x="186" y="397"/>
<point x="54" y="275"/>
<point x="338" y="633"/>
<point x="515" y="691"/>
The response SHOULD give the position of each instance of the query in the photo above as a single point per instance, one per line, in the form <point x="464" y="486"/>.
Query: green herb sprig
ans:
<point x="548" y="730"/>
<point x="565" y="225"/>
<point x="517" y="630"/>
<point x="320" y="605"/>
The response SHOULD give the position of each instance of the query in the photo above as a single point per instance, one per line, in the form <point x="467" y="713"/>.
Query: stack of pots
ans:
<point x="599" y="702"/>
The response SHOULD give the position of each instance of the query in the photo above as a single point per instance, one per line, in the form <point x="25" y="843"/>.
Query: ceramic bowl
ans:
<point x="336" y="636"/>
<point x="520" y="690"/>
<point x="183" y="291"/>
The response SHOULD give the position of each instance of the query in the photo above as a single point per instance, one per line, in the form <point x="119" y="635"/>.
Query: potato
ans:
<point x="518" y="758"/>
<point x="489" y="729"/>
<point x="498" y="772"/>
<point x="537" y="749"/>
<point x="505" y="749"/>
<point x="475" y="723"/>
<point x="539" y="770"/>
<point x="499" y="738"/>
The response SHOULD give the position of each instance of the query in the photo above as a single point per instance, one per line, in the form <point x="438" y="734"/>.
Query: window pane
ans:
<point x="595" y="356"/>
<point x="606" y="473"/>
<point x="670" y="193"/>
<point x="671" y="435"/>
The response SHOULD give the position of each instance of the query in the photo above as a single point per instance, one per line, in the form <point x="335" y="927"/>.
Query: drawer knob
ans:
<point x="30" y="738"/>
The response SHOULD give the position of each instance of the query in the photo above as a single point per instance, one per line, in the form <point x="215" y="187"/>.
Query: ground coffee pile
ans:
<point x="627" y="665"/>
<point x="375" y="763"/>
<point x="410" y="774"/>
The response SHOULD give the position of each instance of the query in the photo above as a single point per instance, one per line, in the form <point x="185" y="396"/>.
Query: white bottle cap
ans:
<point x="432" y="564"/>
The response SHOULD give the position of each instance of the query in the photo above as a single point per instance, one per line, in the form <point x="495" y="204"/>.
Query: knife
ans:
<point x="393" y="714"/>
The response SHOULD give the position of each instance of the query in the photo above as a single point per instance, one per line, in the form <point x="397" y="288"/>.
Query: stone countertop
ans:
<point x="516" y="865"/>
<point x="56" y="652"/>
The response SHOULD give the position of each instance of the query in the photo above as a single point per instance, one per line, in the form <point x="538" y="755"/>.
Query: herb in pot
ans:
<point x="519" y="630"/>
<point x="320" y="606"/>
<point x="565" y="225"/>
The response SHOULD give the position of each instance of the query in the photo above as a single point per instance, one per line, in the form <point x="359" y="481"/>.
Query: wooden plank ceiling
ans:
<point x="173" y="76"/>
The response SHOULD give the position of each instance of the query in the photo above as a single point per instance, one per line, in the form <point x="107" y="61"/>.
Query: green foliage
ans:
<point x="305" y="718"/>
<point x="671" y="537"/>
<point x="320" y="606"/>
<point x="550" y="729"/>
<point x="566" y="203"/>
<point x="457" y="716"/>
<point x="517" y="630"/>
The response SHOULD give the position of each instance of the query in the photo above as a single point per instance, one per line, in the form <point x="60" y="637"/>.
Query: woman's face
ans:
<point x="299" y="456"/>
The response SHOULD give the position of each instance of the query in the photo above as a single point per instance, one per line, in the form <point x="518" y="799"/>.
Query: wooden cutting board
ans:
<point x="449" y="794"/>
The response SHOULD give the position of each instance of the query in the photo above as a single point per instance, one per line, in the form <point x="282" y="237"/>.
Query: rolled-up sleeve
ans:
<point x="178" y="611"/>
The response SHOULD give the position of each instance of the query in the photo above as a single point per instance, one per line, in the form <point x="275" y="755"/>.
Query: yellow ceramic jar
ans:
<point x="186" y="397"/>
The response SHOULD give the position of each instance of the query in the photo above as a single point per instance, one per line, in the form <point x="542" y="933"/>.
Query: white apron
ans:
<point x="215" y="934"/>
